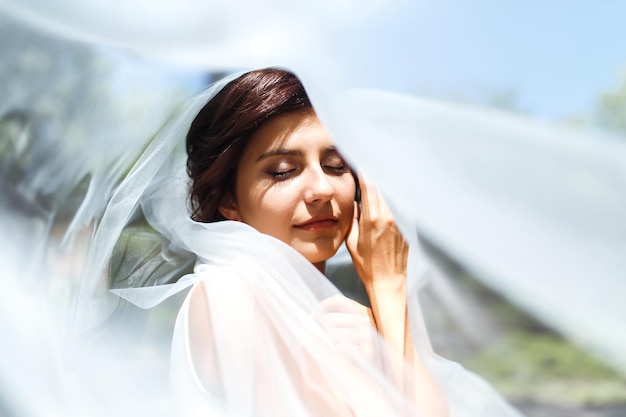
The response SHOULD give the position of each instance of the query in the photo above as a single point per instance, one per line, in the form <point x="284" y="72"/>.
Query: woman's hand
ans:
<point x="349" y="325"/>
<point x="378" y="250"/>
<point x="379" y="253"/>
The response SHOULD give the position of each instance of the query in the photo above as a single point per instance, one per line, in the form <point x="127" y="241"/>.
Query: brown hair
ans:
<point x="222" y="129"/>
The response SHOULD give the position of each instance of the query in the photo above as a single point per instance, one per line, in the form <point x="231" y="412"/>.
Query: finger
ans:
<point x="378" y="209"/>
<point x="352" y="238"/>
<point x="380" y="204"/>
<point x="361" y="337"/>
<point x="370" y="199"/>
<point x="355" y="306"/>
<point x="347" y="320"/>
<point x="361" y="347"/>
<point x="383" y="206"/>
<point x="342" y="304"/>
<point x="355" y="351"/>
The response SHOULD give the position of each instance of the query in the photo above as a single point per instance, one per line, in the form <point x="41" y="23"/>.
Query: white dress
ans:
<point x="254" y="335"/>
<point x="530" y="208"/>
<point x="252" y="338"/>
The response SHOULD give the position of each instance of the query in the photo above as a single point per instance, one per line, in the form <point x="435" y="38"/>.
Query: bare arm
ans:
<point x="380" y="256"/>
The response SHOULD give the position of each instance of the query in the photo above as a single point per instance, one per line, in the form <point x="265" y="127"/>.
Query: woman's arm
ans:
<point x="380" y="253"/>
<point x="380" y="256"/>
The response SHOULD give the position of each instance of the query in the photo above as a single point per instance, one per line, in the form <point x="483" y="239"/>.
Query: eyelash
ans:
<point x="285" y="175"/>
<point x="282" y="175"/>
<point x="337" y="170"/>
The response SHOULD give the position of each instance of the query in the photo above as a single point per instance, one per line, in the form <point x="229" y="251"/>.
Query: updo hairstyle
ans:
<point x="221" y="131"/>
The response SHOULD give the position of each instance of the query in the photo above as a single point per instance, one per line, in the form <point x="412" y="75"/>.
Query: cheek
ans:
<point x="276" y="203"/>
<point x="345" y="195"/>
<point x="267" y="209"/>
<point x="272" y="214"/>
<point x="257" y="201"/>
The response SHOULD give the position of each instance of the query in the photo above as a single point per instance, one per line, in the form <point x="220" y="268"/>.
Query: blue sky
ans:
<point x="556" y="55"/>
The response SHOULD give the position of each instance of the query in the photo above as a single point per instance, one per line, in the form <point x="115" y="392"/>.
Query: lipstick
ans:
<point x="318" y="223"/>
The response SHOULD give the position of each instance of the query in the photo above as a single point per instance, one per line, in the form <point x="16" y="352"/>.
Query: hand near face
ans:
<point x="378" y="250"/>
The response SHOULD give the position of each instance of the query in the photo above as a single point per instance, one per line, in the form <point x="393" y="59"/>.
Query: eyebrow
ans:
<point x="279" y="152"/>
<point x="289" y="152"/>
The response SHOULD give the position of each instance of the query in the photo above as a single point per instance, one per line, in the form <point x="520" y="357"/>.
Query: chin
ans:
<point x="318" y="255"/>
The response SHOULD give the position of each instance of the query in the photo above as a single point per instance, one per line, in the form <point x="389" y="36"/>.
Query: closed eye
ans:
<point x="337" y="170"/>
<point x="282" y="175"/>
<point x="281" y="169"/>
<point x="334" y="164"/>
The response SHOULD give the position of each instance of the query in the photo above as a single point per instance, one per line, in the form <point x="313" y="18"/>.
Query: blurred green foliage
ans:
<point x="543" y="367"/>
<point x="611" y="109"/>
<point x="527" y="361"/>
<point x="141" y="259"/>
<point x="56" y="80"/>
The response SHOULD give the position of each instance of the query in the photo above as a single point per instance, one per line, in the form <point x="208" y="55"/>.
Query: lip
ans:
<point x="318" y="223"/>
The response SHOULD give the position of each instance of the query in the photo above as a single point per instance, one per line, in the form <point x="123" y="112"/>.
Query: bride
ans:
<point x="266" y="201"/>
<point x="258" y="155"/>
<point x="261" y="203"/>
<point x="282" y="346"/>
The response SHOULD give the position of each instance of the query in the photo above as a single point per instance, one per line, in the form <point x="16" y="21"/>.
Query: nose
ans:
<point x="318" y="187"/>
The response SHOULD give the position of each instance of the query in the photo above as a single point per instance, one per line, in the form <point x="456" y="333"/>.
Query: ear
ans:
<point x="228" y="209"/>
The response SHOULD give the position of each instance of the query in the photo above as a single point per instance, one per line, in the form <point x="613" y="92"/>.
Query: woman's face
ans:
<point x="293" y="184"/>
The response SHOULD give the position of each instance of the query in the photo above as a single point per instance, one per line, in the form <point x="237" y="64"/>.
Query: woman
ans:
<point x="263" y="331"/>
<point x="257" y="154"/>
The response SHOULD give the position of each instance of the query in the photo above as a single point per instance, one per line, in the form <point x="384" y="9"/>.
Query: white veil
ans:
<point x="531" y="208"/>
<point x="264" y="320"/>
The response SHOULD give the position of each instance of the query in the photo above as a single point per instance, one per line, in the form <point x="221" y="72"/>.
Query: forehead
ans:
<point x="290" y="130"/>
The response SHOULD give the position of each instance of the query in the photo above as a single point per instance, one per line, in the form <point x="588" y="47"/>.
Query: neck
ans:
<point x="321" y="266"/>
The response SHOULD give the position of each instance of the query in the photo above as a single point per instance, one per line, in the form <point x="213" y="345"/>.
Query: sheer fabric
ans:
<point x="528" y="207"/>
<point x="532" y="208"/>
<point x="262" y="331"/>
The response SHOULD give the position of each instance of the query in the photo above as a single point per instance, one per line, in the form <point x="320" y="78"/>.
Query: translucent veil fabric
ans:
<point x="254" y="336"/>
<point x="531" y="208"/>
